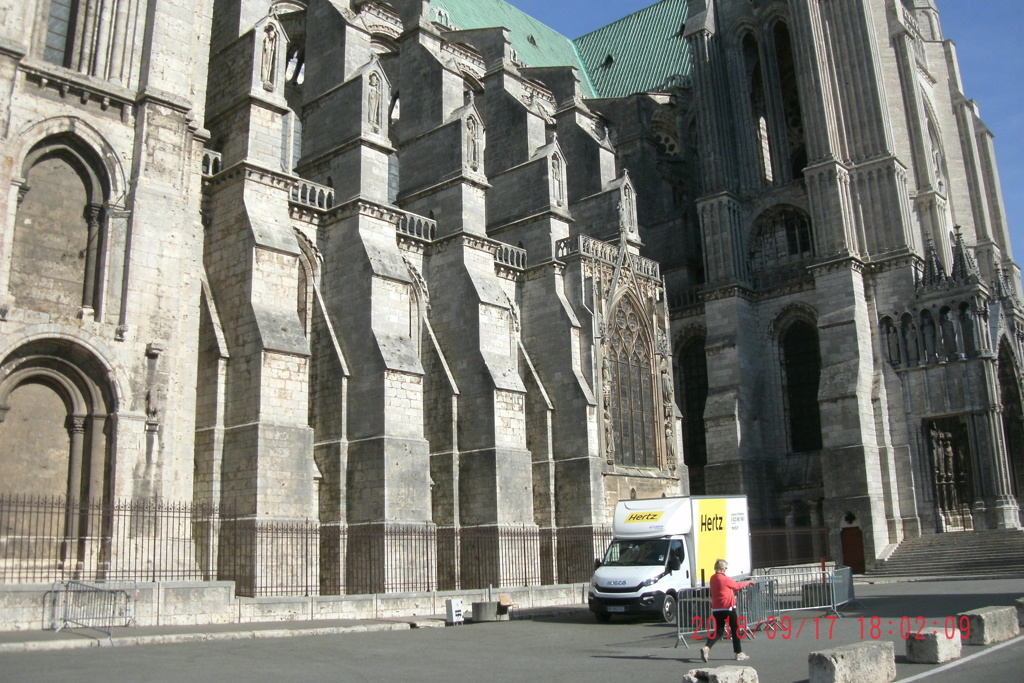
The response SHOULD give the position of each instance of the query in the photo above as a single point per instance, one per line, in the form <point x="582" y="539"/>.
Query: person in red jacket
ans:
<point x="723" y="609"/>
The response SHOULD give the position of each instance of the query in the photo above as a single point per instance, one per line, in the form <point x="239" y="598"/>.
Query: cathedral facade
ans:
<point x="401" y="268"/>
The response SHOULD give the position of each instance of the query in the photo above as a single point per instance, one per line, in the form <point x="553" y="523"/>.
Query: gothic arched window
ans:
<point x="692" y="370"/>
<point x="60" y="32"/>
<point x="758" y="104"/>
<point x="795" y="146"/>
<point x="631" y="369"/>
<point x="801" y="361"/>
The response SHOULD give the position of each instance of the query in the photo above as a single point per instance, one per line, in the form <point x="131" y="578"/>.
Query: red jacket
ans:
<point x="723" y="591"/>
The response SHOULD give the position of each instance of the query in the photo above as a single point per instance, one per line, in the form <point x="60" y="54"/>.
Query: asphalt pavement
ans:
<point x="552" y="644"/>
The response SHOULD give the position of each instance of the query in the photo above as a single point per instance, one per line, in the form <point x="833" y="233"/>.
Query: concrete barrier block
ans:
<point x="990" y="625"/>
<point x="1020" y="611"/>
<point x="722" y="674"/>
<point x="868" y="662"/>
<point x="933" y="647"/>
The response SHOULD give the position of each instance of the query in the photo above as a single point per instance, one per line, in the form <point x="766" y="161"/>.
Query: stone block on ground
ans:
<point x="990" y="625"/>
<point x="722" y="674"/>
<point x="868" y="662"/>
<point x="1020" y="611"/>
<point x="933" y="647"/>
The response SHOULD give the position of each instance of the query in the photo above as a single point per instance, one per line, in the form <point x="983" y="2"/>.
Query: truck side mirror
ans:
<point x="673" y="564"/>
<point x="597" y="562"/>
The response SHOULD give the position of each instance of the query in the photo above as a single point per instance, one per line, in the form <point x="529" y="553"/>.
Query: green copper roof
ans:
<point x="535" y="43"/>
<point x="637" y="53"/>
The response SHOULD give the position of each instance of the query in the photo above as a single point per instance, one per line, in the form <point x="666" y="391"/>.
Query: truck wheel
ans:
<point x="668" y="609"/>
<point x="602" y="617"/>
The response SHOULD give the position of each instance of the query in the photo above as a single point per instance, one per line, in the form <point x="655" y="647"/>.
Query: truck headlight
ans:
<point x="653" y="580"/>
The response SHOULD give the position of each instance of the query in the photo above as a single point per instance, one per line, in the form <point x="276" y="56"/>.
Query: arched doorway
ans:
<point x="851" y="539"/>
<point x="1013" y="419"/>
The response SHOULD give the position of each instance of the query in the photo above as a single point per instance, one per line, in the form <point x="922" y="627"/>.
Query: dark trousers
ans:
<point x="719" y="618"/>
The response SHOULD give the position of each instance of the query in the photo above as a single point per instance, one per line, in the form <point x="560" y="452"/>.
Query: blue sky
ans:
<point x="987" y="34"/>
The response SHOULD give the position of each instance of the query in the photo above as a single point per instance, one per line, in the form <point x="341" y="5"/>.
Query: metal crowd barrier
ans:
<point x="773" y="591"/>
<point x="756" y="609"/>
<point x="815" y="589"/>
<point x="102" y="609"/>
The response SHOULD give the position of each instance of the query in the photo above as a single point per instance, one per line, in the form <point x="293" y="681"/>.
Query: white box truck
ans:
<point x="662" y="546"/>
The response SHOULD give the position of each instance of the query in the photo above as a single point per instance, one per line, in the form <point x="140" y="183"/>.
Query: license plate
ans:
<point x="616" y="608"/>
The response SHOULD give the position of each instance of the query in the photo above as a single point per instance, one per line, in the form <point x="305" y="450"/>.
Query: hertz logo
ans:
<point x="711" y="523"/>
<point x="644" y="517"/>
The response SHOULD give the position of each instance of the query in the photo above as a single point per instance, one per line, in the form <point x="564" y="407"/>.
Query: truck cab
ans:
<point x="640" y="576"/>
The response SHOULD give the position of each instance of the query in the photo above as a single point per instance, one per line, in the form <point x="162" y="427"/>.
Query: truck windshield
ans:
<point x="645" y="553"/>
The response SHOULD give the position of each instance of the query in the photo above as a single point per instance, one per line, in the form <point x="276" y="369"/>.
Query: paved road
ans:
<point x="565" y="648"/>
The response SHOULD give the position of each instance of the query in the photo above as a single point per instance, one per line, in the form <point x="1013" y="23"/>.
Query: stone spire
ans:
<point x="965" y="270"/>
<point x="934" y="272"/>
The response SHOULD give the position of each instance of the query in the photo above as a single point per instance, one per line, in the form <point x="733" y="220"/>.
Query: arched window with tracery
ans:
<point x="631" y="374"/>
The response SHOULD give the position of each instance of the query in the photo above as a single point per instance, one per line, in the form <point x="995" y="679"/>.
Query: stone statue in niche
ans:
<point x="893" y="343"/>
<point x="627" y="207"/>
<point x="556" y="176"/>
<point x="473" y="132"/>
<point x="928" y="330"/>
<point x="912" y="349"/>
<point x="373" y="102"/>
<point x="269" y="58"/>
<point x="949" y="345"/>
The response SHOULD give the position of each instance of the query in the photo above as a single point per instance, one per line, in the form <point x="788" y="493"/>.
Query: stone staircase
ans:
<point x="964" y="554"/>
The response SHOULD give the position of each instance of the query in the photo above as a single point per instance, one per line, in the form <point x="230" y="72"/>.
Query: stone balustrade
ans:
<point x="603" y="251"/>
<point x="417" y="226"/>
<point x="212" y="163"/>
<point x="508" y="255"/>
<point x="311" y="194"/>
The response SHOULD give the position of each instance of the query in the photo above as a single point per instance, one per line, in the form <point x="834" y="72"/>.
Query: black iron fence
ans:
<point x="44" y="540"/>
<point x="783" y="546"/>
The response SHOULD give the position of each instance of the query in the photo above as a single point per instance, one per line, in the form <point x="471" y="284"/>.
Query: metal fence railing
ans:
<point x="803" y="587"/>
<point x="45" y="540"/>
<point x="787" y="546"/>
<point x="102" y="608"/>
<point x="52" y="539"/>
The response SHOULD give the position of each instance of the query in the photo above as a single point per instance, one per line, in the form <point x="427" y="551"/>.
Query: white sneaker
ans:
<point x="704" y="652"/>
<point x="740" y="656"/>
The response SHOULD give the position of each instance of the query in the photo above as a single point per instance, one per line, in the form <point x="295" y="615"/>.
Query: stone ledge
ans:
<point x="868" y="662"/>
<point x="991" y="624"/>
<point x="933" y="647"/>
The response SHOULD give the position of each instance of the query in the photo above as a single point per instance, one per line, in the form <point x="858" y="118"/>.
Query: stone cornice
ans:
<point x="15" y="50"/>
<point x="379" y="145"/>
<point x="249" y="171"/>
<point x="460" y="177"/>
<point x="837" y="263"/>
<point x="85" y="89"/>
<point x="360" y="206"/>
